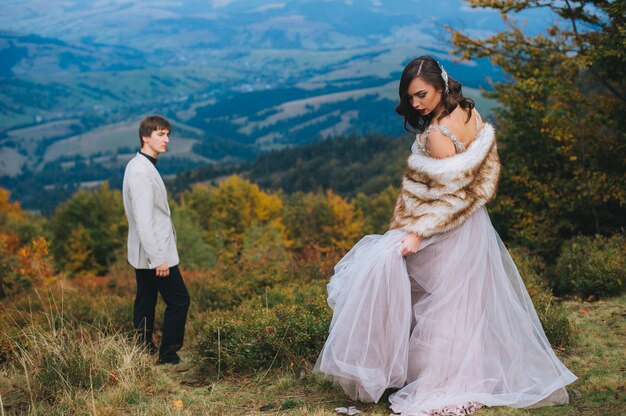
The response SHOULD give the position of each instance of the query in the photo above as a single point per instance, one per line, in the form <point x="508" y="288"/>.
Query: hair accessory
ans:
<point x="444" y="75"/>
<point x="419" y="69"/>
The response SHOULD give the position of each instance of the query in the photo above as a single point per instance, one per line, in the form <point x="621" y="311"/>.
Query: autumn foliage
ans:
<point x="24" y="253"/>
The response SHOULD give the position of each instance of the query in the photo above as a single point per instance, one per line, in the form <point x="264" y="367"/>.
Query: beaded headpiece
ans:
<point x="444" y="75"/>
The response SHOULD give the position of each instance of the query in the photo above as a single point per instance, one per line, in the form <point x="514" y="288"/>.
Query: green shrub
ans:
<point x="211" y="293"/>
<point x="310" y="296"/>
<point x="552" y="315"/>
<point x="531" y="267"/>
<point x="592" y="266"/>
<point x="252" y="338"/>
<point x="100" y="305"/>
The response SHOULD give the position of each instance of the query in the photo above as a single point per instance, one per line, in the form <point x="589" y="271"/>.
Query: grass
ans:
<point x="66" y="367"/>
<point x="596" y="358"/>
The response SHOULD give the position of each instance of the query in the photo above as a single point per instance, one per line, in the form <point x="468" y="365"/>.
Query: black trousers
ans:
<point x="176" y="297"/>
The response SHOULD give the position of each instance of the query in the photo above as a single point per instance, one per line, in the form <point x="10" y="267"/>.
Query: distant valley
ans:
<point x="237" y="78"/>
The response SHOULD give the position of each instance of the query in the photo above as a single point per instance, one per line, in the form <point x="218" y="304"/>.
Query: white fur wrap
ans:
<point x="438" y="195"/>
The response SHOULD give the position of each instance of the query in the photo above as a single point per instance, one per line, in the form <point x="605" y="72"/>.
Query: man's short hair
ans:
<point x="152" y="123"/>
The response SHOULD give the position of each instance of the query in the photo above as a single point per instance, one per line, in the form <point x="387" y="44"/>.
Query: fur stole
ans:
<point x="438" y="195"/>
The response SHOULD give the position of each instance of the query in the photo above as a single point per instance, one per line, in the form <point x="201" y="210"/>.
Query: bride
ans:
<point x="436" y="306"/>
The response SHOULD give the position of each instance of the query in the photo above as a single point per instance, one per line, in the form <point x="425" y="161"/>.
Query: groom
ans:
<point x="152" y="244"/>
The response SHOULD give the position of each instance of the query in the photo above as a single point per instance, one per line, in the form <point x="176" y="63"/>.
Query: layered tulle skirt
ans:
<point x="452" y="326"/>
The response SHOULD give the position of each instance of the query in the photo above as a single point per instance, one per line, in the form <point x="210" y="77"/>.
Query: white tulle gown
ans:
<point x="452" y="326"/>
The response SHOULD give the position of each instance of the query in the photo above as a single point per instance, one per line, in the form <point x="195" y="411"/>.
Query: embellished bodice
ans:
<point x="420" y="146"/>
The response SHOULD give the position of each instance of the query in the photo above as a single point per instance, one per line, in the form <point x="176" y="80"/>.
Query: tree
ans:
<point x="196" y="253"/>
<point x="561" y="121"/>
<point x="79" y="258"/>
<point x="377" y="210"/>
<point x="100" y="213"/>
<point x="229" y="211"/>
<point x="324" y="222"/>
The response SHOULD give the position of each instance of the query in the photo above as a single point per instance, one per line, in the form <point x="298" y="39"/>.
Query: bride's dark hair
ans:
<point x="427" y="68"/>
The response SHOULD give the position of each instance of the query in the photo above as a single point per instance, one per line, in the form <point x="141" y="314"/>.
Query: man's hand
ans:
<point x="409" y="244"/>
<point x="163" y="270"/>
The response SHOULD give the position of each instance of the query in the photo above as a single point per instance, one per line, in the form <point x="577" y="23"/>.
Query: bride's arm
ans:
<point x="410" y="244"/>
<point x="439" y="146"/>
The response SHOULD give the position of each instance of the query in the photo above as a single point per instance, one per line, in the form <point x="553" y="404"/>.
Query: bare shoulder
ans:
<point x="460" y="125"/>
<point x="439" y="145"/>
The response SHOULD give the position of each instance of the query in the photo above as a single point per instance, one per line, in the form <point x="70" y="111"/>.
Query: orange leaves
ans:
<point x="24" y="256"/>
<point x="35" y="262"/>
<point x="9" y="211"/>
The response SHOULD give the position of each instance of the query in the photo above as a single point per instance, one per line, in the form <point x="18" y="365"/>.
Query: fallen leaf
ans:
<point x="178" y="403"/>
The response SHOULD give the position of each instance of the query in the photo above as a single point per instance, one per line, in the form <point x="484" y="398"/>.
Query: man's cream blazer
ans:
<point x="151" y="234"/>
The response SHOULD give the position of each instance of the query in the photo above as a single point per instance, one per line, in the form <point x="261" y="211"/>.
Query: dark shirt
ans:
<point x="150" y="158"/>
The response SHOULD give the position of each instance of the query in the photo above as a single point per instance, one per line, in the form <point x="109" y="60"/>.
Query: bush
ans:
<point x="254" y="337"/>
<point x="110" y="313"/>
<point x="592" y="266"/>
<point x="212" y="292"/>
<point x="310" y="296"/>
<point x="552" y="315"/>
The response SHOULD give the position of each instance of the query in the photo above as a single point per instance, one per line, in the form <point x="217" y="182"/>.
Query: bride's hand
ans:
<point x="409" y="244"/>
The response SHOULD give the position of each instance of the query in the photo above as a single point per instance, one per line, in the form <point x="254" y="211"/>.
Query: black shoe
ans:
<point x="171" y="358"/>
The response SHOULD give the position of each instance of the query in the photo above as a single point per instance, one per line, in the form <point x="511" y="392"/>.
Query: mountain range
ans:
<point x="237" y="77"/>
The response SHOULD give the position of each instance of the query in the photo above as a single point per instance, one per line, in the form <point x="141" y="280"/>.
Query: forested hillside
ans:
<point x="346" y="165"/>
